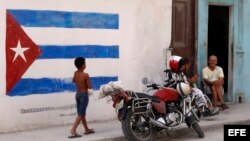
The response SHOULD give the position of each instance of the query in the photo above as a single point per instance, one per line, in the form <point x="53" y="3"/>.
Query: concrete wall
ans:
<point x="142" y="37"/>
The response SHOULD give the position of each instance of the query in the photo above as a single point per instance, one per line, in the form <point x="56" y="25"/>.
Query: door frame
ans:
<point x="235" y="53"/>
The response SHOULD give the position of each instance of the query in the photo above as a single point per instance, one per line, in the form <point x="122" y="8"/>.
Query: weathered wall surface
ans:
<point x="39" y="40"/>
<point x="246" y="44"/>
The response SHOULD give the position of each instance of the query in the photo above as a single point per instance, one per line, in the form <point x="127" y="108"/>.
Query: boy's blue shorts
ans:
<point x="82" y="100"/>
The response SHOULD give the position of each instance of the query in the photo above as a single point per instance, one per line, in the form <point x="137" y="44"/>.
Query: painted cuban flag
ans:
<point x="41" y="46"/>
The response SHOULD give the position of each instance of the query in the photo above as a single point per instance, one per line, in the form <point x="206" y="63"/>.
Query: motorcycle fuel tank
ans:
<point x="168" y="94"/>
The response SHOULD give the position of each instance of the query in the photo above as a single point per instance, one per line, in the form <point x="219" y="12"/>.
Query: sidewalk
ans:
<point x="111" y="131"/>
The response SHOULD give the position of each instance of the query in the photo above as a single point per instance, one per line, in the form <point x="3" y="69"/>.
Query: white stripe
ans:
<point x="64" y="68"/>
<point x="107" y="6"/>
<point x="2" y="52"/>
<point x="67" y="36"/>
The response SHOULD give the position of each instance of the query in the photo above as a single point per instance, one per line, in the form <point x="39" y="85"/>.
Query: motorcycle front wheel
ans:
<point x="135" y="127"/>
<point x="198" y="130"/>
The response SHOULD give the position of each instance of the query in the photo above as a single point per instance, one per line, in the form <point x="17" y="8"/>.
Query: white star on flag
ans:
<point x="19" y="51"/>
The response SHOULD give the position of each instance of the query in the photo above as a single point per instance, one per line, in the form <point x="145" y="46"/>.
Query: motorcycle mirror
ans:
<point x="144" y="80"/>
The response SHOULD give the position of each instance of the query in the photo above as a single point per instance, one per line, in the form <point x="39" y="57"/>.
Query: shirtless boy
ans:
<point x="83" y="83"/>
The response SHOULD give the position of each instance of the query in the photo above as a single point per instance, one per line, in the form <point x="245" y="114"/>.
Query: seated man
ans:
<point x="214" y="77"/>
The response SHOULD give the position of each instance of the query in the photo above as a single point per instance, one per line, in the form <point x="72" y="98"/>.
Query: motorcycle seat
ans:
<point x="153" y="98"/>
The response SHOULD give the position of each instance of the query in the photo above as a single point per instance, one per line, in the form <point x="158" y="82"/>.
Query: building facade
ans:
<point x="39" y="41"/>
<point x="124" y="41"/>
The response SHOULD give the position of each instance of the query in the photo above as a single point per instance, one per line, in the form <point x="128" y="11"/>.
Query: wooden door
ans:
<point x="184" y="30"/>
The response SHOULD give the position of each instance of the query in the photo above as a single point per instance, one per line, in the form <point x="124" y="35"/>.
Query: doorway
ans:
<point x="218" y="38"/>
<point x="183" y="30"/>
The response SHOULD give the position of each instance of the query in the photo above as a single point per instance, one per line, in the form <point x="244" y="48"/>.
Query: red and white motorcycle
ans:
<point x="142" y="115"/>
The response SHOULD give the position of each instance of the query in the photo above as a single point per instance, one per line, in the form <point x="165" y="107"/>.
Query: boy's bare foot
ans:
<point x="74" y="134"/>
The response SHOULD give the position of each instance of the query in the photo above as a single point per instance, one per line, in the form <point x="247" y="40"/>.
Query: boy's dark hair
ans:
<point x="79" y="62"/>
<point x="183" y="61"/>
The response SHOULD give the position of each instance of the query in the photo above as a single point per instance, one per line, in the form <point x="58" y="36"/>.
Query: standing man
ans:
<point x="214" y="78"/>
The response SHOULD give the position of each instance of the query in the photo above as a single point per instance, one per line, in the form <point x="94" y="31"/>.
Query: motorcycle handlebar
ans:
<point x="171" y="83"/>
<point x="154" y="86"/>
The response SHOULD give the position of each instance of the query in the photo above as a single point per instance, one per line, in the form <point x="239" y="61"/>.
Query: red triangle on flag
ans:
<point x="21" y="52"/>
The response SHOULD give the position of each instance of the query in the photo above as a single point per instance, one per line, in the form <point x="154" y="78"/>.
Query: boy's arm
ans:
<point x="88" y="82"/>
<point x="74" y="81"/>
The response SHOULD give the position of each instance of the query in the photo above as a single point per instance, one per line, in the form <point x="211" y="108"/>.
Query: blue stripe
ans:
<point x="46" y="18"/>
<point x="49" y="85"/>
<point x="87" y="51"/>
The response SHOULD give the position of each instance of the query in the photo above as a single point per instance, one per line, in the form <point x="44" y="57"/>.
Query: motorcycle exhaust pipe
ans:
<point x="156" y="123"/>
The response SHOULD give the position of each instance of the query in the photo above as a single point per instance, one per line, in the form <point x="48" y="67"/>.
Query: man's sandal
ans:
<point x="224" y="106"/>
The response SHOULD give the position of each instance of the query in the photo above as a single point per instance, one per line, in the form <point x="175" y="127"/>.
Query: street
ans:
<point x="210" y="135"/>
<point x="111" y="130"/>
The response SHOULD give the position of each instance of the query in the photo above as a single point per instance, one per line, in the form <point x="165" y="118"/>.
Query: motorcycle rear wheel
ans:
<point x="135" y="127"/>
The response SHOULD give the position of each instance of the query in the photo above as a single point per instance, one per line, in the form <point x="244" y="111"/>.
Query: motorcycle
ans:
<point x="142" y="115"/>
<point x="169" y="82"/>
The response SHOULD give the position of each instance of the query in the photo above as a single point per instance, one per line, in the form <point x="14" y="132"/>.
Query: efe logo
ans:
<point x="236" y="132"/>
